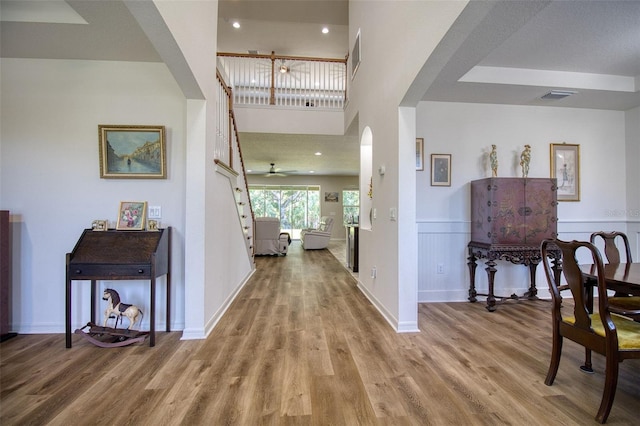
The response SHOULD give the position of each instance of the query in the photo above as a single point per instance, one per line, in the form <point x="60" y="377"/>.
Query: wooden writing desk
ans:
<point x="120" y="255"/>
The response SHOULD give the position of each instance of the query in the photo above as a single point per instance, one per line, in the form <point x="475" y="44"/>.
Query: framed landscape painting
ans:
<point x="132" y="152"/>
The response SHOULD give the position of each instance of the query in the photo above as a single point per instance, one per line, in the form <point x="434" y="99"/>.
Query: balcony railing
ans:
<point x="286" y="81"/>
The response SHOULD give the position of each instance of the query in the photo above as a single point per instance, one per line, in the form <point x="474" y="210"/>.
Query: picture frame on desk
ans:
<point x="132" y="216"/>
<point x="132" y="152"/>
<point x="565" y="168"/>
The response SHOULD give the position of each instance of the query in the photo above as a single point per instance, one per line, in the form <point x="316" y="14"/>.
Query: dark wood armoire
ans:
<point x="510" y="217"/>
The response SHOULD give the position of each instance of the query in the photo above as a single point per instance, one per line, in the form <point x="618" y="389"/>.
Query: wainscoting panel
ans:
<point x="443" y="273"/>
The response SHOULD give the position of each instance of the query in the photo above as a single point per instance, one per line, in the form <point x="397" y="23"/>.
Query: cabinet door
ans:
<point x="509" y="210"/>
<point x="541" y="218"/>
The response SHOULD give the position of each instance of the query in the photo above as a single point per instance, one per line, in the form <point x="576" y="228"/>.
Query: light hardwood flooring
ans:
<point x="301" y="345"/>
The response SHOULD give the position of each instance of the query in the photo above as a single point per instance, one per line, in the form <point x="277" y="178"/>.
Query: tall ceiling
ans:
<point x="590" y="47"/>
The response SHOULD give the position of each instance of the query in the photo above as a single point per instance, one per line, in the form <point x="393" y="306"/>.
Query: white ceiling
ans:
<point x="512" y="57"/>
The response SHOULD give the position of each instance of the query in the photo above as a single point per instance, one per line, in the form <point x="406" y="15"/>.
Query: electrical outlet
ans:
<point x="374" y="272"/>
<point x="440" y="268"/>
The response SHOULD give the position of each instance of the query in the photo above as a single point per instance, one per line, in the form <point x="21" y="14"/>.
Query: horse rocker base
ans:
<point x="107" y="337"/>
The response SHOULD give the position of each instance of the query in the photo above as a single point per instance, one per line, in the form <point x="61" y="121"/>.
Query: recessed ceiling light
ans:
<point x="318" y="153"/>
<point x="311" y="171"/>
<point x="325" y="30"/>
<point x="236" y="24"/>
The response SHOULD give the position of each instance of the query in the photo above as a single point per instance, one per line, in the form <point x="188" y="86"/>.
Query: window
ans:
<point x="298" y="207"/>
<point x="351" y="205"/>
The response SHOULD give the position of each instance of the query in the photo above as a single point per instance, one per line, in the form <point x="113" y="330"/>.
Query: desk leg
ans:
<point x="472" y="277"/>
<point x="532" y="293"/>
<point x="93" y="302"/>
<point x="152" y="319"/>
<point x="491" y="274"/>
<point x="67" y="326"/>
<point x="168" y="325"/>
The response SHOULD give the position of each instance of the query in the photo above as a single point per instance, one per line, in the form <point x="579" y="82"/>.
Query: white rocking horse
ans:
<point x="115" y="307"/>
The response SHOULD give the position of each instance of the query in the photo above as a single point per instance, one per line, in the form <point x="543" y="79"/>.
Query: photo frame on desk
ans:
<point x="565" y="168"/>
<point x="132" y="152"/>
<point x="132" y="216"/>
<point x="440" y="169"/>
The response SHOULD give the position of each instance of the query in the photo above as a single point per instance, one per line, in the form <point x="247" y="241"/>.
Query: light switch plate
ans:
<point x="155" y="212"/>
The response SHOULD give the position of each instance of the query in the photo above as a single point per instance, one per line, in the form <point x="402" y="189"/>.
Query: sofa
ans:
<point x="317" y="238"/>
<point x="268" y="238"/>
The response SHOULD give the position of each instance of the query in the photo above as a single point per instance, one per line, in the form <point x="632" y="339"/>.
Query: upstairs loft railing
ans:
<point x="285" y="81"/>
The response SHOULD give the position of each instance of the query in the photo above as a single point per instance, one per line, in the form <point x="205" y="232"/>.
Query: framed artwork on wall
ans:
<point x="419" y="154"/>
<point x="355" y="55"/>
<point x="565" y="167"/>
<point x="132" y="152"/>
<point x="440" y="169"/>
<point x="132" y="216"/>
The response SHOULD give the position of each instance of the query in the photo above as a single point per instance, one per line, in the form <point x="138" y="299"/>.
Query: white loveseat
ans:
<point x="318" y="238"/>
<point x="268" y="238"/>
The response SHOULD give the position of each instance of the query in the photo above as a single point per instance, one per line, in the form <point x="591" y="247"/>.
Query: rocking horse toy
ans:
<point x="107" y="337"/>
<point x="119" y="309"/>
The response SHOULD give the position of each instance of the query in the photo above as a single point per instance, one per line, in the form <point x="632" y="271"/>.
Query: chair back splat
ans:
<point x="620" y="303"/>
<point x="615" y="337"/>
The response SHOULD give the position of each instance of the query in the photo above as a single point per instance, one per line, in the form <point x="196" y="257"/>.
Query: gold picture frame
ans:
<point x="132" y="152"/>
<point x="565" y="168"/>
<point x="99" y="225"/>
<point x="132" y="216"/>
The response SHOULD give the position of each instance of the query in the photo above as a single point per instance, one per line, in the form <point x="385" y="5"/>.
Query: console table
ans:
<point x="120" y="255"/>
<point x="529" y="256"/>
<point x="510" y="217"/>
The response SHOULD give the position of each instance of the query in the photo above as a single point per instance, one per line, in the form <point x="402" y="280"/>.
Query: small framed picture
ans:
<point x="419" y="154"/>
<point x="355" y="55"/>
<point x="440" y="169"/>
<point x="132" y="216"/>
<point x="99" y="225"/>
<point x="331" y="197"/>
<point x="132" y="152"/>
<point x="153" y="225"/>
<point x="565" y="167"/>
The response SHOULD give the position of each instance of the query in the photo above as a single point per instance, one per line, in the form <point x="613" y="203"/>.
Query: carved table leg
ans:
<point x="532" y="293"/>
<point x="472" y="277"/>
<point x="491" y="273"/>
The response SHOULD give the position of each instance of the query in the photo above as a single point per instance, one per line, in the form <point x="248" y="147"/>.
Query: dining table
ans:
<point x="620" y="277"/>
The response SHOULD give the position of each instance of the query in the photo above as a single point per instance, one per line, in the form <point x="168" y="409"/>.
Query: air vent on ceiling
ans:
<point x="253" y="52"/>
<point x="558" y="94"/>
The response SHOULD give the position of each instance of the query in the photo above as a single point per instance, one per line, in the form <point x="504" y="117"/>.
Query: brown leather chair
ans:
<point x="606" y="333"/>
<point x="620" y="303"/>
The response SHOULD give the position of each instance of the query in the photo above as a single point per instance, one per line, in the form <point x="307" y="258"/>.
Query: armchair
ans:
<point x="313" y="239"/>
<point x="268" y="238"/>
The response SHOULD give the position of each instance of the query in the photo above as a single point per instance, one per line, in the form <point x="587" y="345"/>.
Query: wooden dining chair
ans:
<point x="619" y="303"/>
<point x="611" y="335"/>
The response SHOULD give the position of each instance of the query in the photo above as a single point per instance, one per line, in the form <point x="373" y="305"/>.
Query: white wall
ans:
<point x="633" y="177"/>
<point x="327" y="184"/>
<point x="466" y="131"/>
<point x="51" y="182"/>
<point x="417" y="27"/>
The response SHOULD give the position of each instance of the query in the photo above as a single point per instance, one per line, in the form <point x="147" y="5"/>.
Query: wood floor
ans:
<point x="302" y="346"/>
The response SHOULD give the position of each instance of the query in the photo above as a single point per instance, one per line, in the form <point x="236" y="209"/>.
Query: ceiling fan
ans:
<point x="273" y="171"/>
